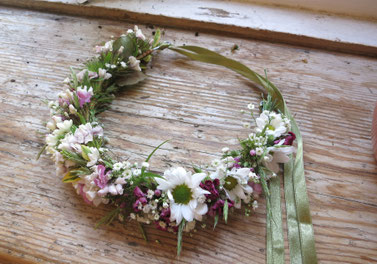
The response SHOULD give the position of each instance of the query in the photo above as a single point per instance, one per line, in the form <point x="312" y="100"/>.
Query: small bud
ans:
<point x="225" y="150"/>
<point x="72" y="109"/>
<point x="51" y="126"/>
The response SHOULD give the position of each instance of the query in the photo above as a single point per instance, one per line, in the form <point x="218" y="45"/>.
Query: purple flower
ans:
<point x="212" y="187"/>
<point x="252" y="152"/>
<point x="290" y="138"/>
<point x="102" y="178"/>
<point x="84" y="95"/>
<point x="157" y="193"/>
<point x="138" y="192"/>
<point x="165" y="219"/>
<point x="218" y="206"/>
<point x="141" y="200"/>
<point x="236" y="163"/>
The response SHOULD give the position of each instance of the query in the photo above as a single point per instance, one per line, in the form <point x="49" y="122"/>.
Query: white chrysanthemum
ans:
<point x="186" y="197"/>
<point x="279" y="154"/>
<point x="273" y="122"/>
<point x="236" y="187"/>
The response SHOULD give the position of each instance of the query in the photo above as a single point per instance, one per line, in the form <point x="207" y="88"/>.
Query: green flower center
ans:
<point x="230" y="183"/>
<point x="182" y="194"/>
<point x="270" y="127"/>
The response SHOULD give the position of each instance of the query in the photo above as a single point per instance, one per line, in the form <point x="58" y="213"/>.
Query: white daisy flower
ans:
<point x="274" y="123"/>
<point x="184" y="194"/>
<point x="236" y="187"/>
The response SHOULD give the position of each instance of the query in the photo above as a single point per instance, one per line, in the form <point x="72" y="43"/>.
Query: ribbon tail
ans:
<point x="275" y="237"/>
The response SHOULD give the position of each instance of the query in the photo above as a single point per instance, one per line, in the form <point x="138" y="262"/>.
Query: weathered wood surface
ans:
<point x="197" y="105"/>
<point x="232" y="18"/>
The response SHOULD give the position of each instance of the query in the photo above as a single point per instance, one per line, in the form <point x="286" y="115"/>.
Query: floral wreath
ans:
<point x="175" y="200"/>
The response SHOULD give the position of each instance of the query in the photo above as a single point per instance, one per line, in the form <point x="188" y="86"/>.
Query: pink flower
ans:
<point x="212" y="187"/>
<point x="289" y="139"/>
<point x="157" y="193"/>
<point x="84" y="95"/>
<point x="218" y="206"/>
<point x="138" y="192"/>
<point x="141" y="200"/>
<point x="102" y="178"/>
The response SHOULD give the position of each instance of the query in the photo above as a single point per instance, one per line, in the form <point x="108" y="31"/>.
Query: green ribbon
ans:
<point x="300" y="229"/>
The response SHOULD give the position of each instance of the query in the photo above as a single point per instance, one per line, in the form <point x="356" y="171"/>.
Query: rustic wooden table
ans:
<point x="42" y="220"/>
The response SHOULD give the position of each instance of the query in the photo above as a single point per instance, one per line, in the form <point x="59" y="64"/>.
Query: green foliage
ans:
<point x="216" y="221"/>
<point x="81" y="171"/>
<point x="41" y="151"/>
<point x="129" y="44"/>
<point x="107" y="219"/>
<point x="225" y="211"/>
<point x="156" y="39"/>
<point x="73" y="157"/>
<point x="179" y="240"/>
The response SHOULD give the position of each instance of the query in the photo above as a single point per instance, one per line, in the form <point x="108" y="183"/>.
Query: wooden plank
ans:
<point x="232" y="18"/>
<point x="42" y="220"/>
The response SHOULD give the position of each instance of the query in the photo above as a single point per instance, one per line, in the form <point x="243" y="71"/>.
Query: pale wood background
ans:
<point x="42" y="220"/>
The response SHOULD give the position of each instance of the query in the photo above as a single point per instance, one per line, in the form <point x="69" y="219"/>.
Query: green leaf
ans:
<point x="70" y="178"/>
<point x="216" y="221"/>
<point x="153" y="175"/>
<point x="73" y="157"/>
<point x="41" y="151"/>
<point x="107" y="219"/>
<point x="179" y="240"/>
<point x="159" y="146"/>
<point x="82" y="119"/>
<point x="81" y="171"/>
<point x="85" y="152"/>
<point x="150" y="156"/>
<point x="142" y="231"/>
<point x="225" y="211"/>
<point x="131" y="78"/>
<point x="128" y="44"/>
<point x="197" y="170"/>
<point x="156" y="39"/>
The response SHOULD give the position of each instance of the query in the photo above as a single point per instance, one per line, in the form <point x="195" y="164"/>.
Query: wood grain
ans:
<point x="196" y="105"/>
<point x="244" y="19"/>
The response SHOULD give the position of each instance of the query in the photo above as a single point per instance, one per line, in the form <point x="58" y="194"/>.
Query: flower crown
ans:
<point x="177" y="199"/>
